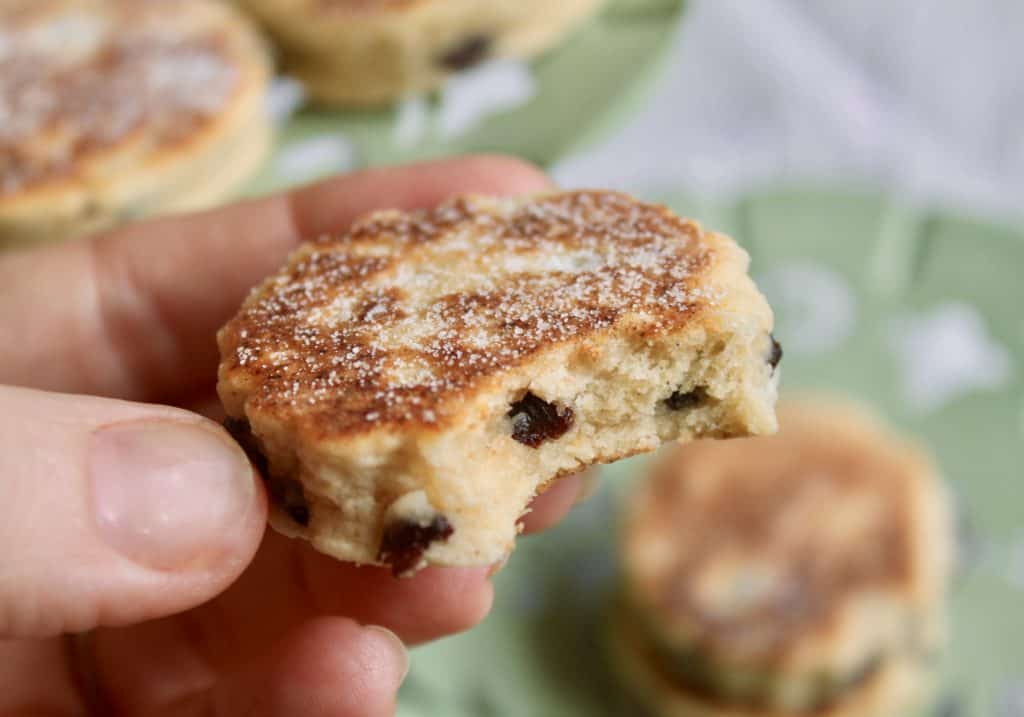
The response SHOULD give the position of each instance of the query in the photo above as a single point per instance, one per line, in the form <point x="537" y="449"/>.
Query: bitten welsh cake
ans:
<point x="409" y="386"/>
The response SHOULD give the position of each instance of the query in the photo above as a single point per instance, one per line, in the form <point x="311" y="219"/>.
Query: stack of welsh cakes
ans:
<point x="803" y="573"/>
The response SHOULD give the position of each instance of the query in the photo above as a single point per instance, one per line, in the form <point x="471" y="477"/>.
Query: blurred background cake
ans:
<point x="364" y="52"/>
<point x="794" y="574"/>
<point x="116" y="109"/>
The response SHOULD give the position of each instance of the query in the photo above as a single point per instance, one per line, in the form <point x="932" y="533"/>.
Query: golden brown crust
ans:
<point x="336" y="344"/>
<point x="81" y="81"/>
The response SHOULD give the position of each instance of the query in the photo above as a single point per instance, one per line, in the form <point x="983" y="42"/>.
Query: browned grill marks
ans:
<point x="404" y="542"/>
<point x="338" y="343"/>
<point x="381" y="306"/>
<point x="535" y="421"/>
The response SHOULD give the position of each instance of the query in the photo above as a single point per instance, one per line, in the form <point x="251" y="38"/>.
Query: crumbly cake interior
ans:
<point x="460" y="358"/>
<point x="79" y="78"/>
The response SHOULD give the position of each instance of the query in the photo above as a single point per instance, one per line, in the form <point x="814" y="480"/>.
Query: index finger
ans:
<point x="133" y="313"/>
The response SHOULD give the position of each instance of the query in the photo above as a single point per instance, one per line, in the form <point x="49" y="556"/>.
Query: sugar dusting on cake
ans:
<point x="391" y="321"/>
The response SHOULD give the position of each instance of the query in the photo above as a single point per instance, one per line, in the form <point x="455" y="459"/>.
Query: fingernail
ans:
<point x="589" y="482"/>
<point x="396" y="647"/>
<point x="167" y="494"/>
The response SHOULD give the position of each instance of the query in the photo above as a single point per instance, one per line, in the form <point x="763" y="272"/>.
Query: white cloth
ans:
<point x="925" y="97"/>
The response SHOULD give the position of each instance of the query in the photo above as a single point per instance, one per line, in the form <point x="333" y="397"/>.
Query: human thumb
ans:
<point x="116" y="512"/>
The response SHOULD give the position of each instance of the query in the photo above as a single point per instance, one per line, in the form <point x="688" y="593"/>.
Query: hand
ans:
<point x="144" y="523"/>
